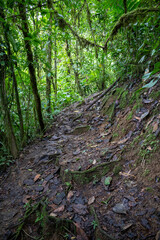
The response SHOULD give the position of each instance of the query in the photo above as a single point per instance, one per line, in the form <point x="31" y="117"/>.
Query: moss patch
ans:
<point x="80" y="129"/>
<point x="83" y="177"/>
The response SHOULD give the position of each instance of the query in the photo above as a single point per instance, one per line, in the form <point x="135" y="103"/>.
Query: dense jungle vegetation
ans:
<point x="53" y="53"/>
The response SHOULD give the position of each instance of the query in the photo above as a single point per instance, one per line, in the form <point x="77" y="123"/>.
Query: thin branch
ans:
<point x="104" y="93"/>
<point x="126" y="19"/>
<point x="84" y="42"/>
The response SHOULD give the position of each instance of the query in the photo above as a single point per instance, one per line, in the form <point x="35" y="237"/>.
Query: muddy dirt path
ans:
<point x="77" y="166"/>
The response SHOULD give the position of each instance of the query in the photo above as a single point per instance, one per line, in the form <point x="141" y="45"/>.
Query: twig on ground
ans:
<point x="106" y="91"/>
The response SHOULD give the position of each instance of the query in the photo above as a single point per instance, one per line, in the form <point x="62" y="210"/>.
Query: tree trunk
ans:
<point x="76" y="74"/>
<point x="103" y="84"/>
<point x="14" y="78"/>
<point x="3" y="100"/>
<point x="31" y="67"/>
<point x="55" y="64"/>
<point x="49" y="60"/>
<point x="125" y="6"/>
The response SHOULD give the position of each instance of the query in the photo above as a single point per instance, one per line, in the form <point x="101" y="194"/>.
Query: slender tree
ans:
<point x="4" y="103"/>
<point x="6" y="30"/>
<point x="33" y="80"/>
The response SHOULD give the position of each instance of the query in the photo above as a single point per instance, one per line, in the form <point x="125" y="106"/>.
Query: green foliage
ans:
<point x="149" y="146"/>
<point x="117" y="169"/>
<point x="130" y="115"/>
<point x="94" y="223"/>
<point x="85" y="67"/>
<point x="124" y="99"/>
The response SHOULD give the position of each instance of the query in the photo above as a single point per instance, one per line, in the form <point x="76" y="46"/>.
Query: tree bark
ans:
<point x="55" y="64"/>
<point x="76" y="74"/>
<point x="3" y="100"/>
<point x="33" y="80"/>
<point x="125" y="6"/>
<point x="49" y="60"/>
<point x="14" y="77"/>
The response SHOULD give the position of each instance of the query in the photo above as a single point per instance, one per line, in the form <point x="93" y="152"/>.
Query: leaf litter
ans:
<point x="118" y="200"/>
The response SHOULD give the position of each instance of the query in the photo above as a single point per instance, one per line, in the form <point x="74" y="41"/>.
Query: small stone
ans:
<point x="151" y="211"/>
<point x="49" y="177"/>
<point x="39" y="188"/>
<point x="99" y="141"/>
<point x="28" y="182"/>
<point x="80" y="209"/>
<point x="119" y="208"/>
<point x="55" y="138"/>
<point x="9" y="214"/>
<point x="44" y="158"/>
<point x="59" y="198"/>
<point x="80" y="129"/>
<point x="141" y="213"/>
<point x="76" y="153"/>
<point x="130" y="198"/>
<point x="107" y="126"/>
<point x="145" y="223"/>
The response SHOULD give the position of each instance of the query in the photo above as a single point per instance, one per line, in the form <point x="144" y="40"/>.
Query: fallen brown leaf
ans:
<point x="138" y="118"/>
<point x="80" y="232"/>
<point x="123" y="141"/>
<point x="127" y="226"/>
<point x="149" y="148"/>
<point x="53" y="206"/>
<point x="60" y="209"/>
<point x="70" y="194"/>
<point x="91" y="200"/>
<point x="26" y="199"/>
<point x="37" y="177"/>
<point x="53" y="214"/>
<point x="155" y="126"/>
<point x="94" y="162"/>
<point x="149" y="122"/>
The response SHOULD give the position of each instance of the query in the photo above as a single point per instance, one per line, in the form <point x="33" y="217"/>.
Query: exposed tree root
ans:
<point x="99" y="232"/>
<point x="128" y="18"/>
<point x="50" y="227"/>
<point x="104" y="93"/>
<point x="83" y="177"/>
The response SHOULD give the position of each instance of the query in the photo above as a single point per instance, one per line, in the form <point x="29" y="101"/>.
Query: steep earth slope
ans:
<point x="97" y="170"/>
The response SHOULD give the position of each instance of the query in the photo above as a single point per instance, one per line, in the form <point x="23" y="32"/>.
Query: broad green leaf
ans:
<point x="146" y="76"/>
<point x="12" y="41"/>
<point x="150" y="84"/>
<point x="107" y="181"/>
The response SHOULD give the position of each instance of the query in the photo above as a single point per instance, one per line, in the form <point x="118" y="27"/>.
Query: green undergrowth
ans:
<point x="149" y="145"/>
<point x="124" y="98"/>
<point x="48" y="227"/>
<point x="146" y="144"/>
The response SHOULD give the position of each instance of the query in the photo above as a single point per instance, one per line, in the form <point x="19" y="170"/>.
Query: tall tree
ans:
<point x="4" y="103"/>
<point x="49" y="59"/>
<point x="33" y="80"/>
<point x="6" y="30"/>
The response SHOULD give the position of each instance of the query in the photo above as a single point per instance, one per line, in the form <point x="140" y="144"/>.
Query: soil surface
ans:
<point x="126" y="198"/>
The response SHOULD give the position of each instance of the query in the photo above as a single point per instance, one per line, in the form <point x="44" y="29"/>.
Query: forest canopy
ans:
<point x="53" y="53"/>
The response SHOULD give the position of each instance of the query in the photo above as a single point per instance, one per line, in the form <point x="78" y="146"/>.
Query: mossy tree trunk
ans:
<point x="125" y="6"/>
<point x="33" y="80"/>
<point x="4" y="103"/>
<point x="5" y="29"/>
<point x="49" y="60"/>
<point x="55" y="64"/>
<point x="76" y="73"/>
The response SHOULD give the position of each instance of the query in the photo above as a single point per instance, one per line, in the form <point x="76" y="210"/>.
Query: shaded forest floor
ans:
<point x="98" y="167"/>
